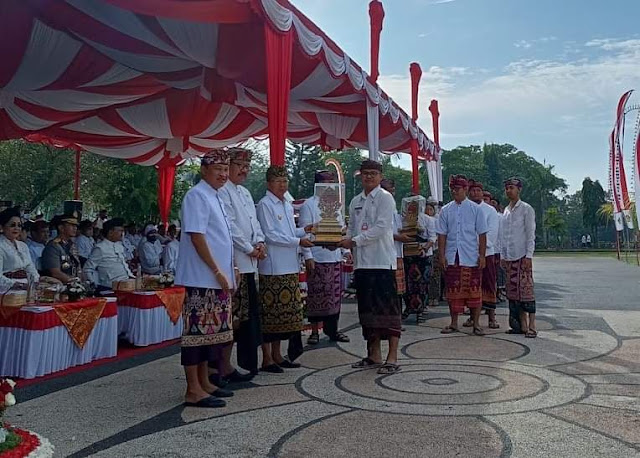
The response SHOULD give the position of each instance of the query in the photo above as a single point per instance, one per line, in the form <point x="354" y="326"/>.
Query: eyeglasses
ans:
<point x="370" y="173"/>
<point x="241" y="165"/>
<point x="12" y="225"/>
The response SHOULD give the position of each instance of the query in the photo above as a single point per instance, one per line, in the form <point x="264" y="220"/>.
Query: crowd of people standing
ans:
<point x="240" y="264"/>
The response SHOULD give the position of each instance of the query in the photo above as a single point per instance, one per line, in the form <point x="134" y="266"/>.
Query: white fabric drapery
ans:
<point x="144" y="327"/>
<point x="28" y="354"/>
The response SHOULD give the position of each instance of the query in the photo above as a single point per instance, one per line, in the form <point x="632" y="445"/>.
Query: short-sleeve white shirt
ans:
<point x="203" y="212"/>
<point x="462" y="224"/>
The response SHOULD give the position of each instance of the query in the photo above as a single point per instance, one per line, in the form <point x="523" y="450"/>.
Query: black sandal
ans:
<point x="388" y="369"/>
<point x="531" y="334"/>
<point x="313" y="339"/>
<point x="340" y="337"/>
<point x="366" y="363"/>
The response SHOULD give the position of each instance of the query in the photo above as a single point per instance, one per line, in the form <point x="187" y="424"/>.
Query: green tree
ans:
<point x="593" y="197"/>
<point x="35" y="176"/>
<point x="555" y="226"/>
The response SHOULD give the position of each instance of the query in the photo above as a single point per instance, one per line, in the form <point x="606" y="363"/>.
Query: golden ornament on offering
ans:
<point x="411" y="208"/>
<point x="329" y="230"/>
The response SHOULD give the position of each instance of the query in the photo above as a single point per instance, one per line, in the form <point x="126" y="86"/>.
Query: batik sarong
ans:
<point x="418" y="269"/>
<point x="401" y="285"/>
<point x="282" y="308"/>
<point x="247" y="331"/>
<point x="325" y="296"/>
<point x="207" y="321"/>
<point x="434" y="281"/>
<point x="489" y="284"/>
<point x="464" y="287"/>
<point x="379" y="310"/>
<point x="501" y="273"/>
<point x="519" y="292"/>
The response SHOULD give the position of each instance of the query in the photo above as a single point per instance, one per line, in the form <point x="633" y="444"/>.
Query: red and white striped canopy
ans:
<point x="159" y="81"/>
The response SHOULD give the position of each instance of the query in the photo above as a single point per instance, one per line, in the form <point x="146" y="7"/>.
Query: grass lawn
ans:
<point x="629" y="258"/>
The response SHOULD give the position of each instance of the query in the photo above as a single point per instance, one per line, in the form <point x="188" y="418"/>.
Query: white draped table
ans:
<point x="143" y="317"/>
<point x="34" y="341"/>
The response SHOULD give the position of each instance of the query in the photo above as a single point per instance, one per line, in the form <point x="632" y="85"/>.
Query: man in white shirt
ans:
<point x="370" y="237"/>
<point x="39" y="231"/>
<point x="489" y="273"/>
<point x="324" y="274"/>
<point x="462" y="244"/>
<point x="206" y="269"/>
<point x="133" y="236"/>
<point x="150" y="250"/>
<point x="249" y="248"/>
<point x="171" y="250"/>
<point x="84" y="240"/>
<point x="518" y="245"/>
<point x="282" y="308"/>
<point x="106" y="263"/>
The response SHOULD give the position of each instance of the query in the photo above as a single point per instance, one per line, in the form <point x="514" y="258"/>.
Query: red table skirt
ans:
<point x="34" y="321"/>
<point x="146" y="300"/>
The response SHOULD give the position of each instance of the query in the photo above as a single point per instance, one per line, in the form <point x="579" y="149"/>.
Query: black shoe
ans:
<point x="220" y="393"/>
<point x="218" y="381"/>
<point x="272" y="368"/>
<point x="289" y="365"/>
<point x="237" y="377"/>
<point x="209" y="402"/>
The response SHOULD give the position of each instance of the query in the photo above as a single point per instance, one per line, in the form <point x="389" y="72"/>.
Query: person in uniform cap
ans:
<point x="462" y="243"/>
<point x="60" y="257"/>
<point x="324" y="274"/>
<point x="518" y="245"/>
<point x="150" y="251"/>
<point x="249" y="248"/>
<point x="206" y="270"/>
<point x="489" y="273"/>
<point x="282" y="308"/>
<point x="39" y="236"/>
<point x="107" y="262"/>
<point x="370" y="237"/>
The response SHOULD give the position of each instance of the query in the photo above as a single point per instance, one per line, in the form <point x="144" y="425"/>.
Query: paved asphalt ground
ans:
<point x="573" y="391"/>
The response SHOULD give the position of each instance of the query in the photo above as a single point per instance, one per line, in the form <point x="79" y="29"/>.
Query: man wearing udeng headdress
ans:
<point x="462" y="243"/>
<point x="282" y="311"/>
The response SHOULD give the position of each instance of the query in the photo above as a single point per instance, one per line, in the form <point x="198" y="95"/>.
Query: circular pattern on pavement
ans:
<point x="439" y="382"/>
<point x="445" y="387"/>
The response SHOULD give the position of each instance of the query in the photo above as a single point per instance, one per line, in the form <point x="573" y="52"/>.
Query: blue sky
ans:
<point x="543" y="75"/>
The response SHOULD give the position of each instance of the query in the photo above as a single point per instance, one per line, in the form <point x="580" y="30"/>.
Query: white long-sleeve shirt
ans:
<point x="245" y="227"/>
<point x="518" y="231"/>
<point x="427" y="230"/>
<point x="462" y="223"/>
<point x="281" y="236"/>
<point x="310" y="214"/>
<point x="371" y="229"/>
<point x="107" y="263"/>
<point x="15" y="256"/>
<point x="170" y="256"/>
<point x="493" y="227"/>
<point x="149" y="254"/>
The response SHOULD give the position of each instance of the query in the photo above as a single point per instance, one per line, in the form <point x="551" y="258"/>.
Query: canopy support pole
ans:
<point x="166" y="181"/>
<point x="76" y="177"/>
<point x="416" y="75"/>
<point x="435" y="119"/>
<point x="279" y="50"/>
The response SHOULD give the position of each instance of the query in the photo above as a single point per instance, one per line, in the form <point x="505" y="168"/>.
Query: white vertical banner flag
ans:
<point x="373" y="130"/>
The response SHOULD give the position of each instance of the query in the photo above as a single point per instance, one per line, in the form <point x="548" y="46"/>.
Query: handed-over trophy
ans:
<point x="329" y="229"/>
<point x="411" y="208"/>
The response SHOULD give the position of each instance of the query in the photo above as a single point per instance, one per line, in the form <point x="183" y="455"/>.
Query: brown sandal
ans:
<point x="449" y="330"/>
